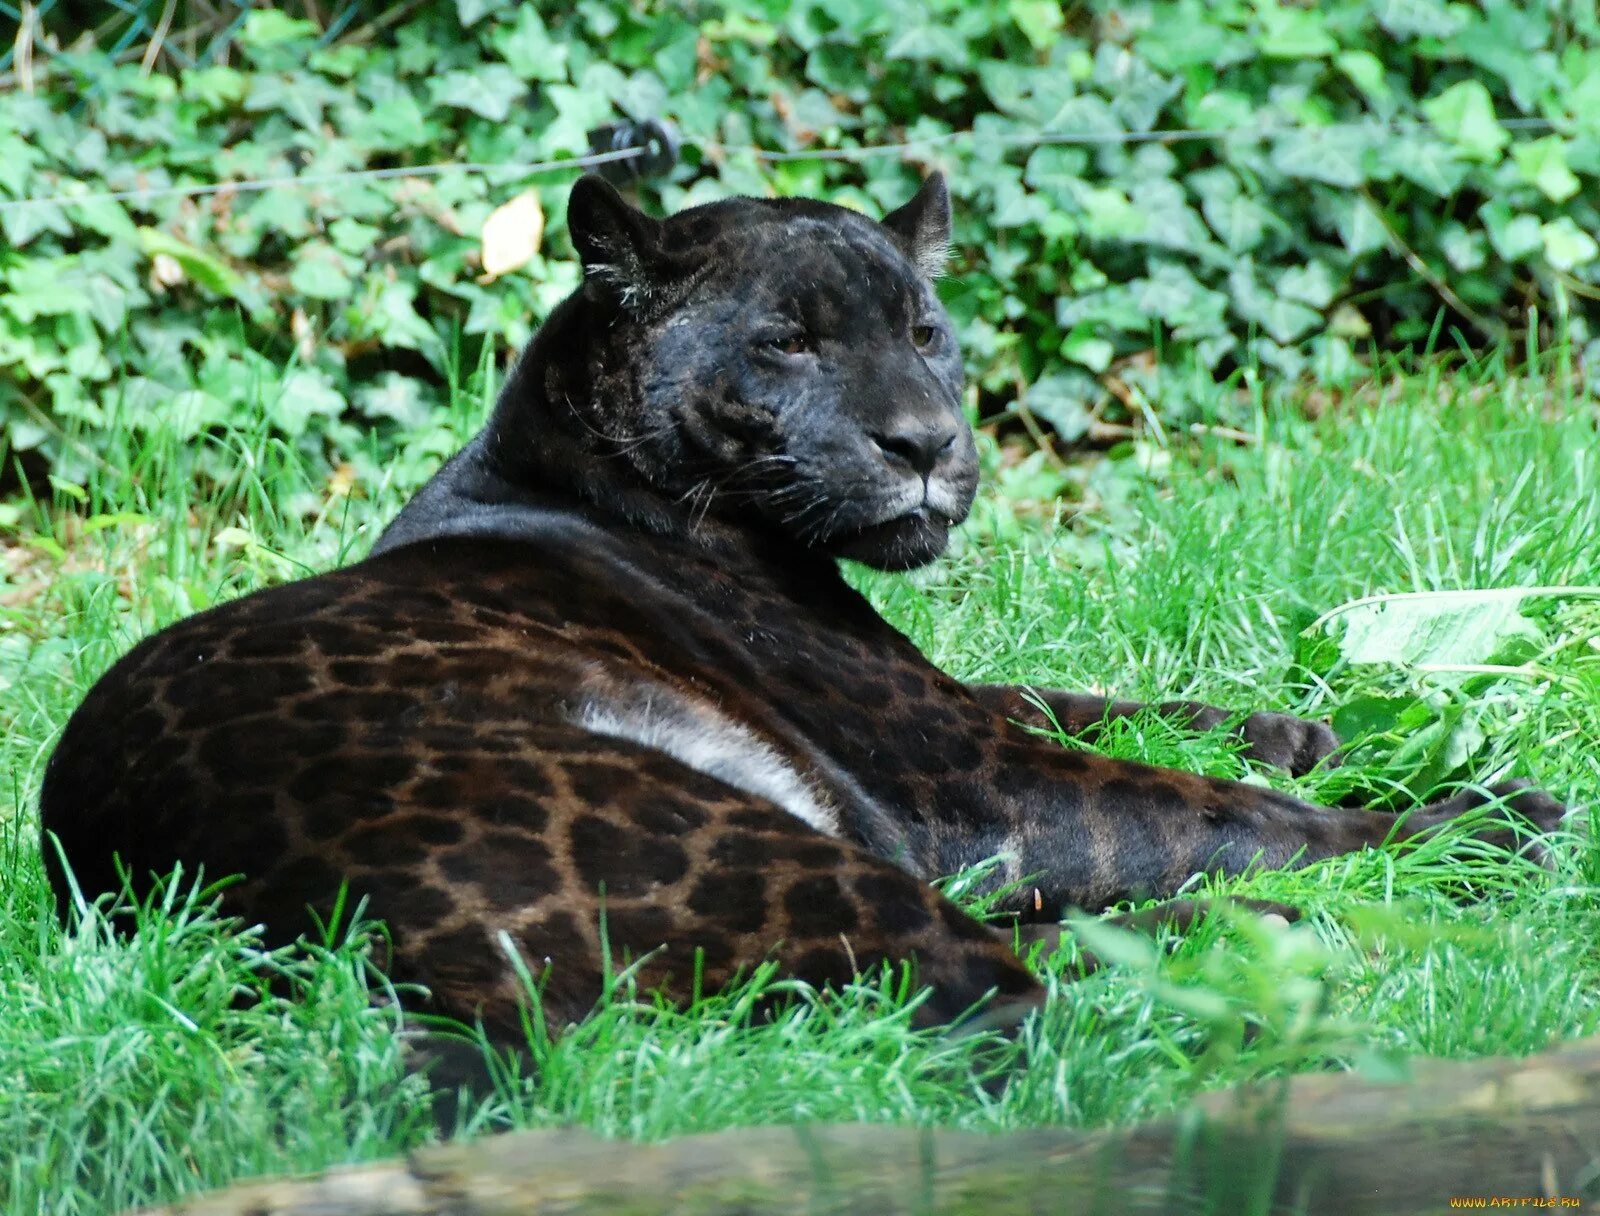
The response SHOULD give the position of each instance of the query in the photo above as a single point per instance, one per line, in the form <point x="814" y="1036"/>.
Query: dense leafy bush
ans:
<point x="1355" y="179"/>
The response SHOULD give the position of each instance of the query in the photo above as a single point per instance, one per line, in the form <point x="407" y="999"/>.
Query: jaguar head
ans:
<point x="788" y="363"/>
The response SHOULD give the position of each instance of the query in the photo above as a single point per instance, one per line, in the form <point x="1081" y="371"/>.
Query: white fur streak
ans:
<point x="631" y="294"/>
<point x="700" y="738"/>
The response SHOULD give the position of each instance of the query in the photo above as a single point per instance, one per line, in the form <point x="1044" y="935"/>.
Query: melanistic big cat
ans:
<point x="606" y="658"/>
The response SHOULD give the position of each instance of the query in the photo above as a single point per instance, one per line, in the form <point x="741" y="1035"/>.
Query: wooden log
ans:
<point x="1508" y="1134"/>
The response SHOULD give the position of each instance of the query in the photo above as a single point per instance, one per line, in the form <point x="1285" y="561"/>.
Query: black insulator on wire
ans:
<point x="655" y="140"/>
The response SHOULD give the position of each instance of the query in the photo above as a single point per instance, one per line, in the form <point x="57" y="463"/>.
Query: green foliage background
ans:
<point x="1367" y="167"/>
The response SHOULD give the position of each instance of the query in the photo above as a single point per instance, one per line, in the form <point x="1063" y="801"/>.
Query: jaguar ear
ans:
<point x="619" y="245"/>
<point x="922" y="226"/>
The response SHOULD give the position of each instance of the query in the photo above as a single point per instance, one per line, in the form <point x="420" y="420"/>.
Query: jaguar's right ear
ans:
<point x="922" y="226"/>
<point x="619" y="245"/>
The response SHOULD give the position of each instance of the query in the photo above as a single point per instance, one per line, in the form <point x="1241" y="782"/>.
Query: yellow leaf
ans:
<point x="511" y="234"/>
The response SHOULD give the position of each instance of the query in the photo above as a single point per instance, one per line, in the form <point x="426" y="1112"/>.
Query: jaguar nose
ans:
<point x="916" y="443"/>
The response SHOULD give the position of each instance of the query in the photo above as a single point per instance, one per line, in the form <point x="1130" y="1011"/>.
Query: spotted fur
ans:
<point x="604" y="667"/>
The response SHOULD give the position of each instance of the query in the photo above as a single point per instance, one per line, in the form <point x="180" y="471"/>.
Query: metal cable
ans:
<point x="318" y="179"/>
<point x="531" y="168"/>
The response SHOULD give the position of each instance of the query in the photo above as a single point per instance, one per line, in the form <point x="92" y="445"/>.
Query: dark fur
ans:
<point x="736" y="397"/>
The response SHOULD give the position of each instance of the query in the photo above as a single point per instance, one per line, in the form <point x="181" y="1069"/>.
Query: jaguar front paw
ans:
<point x="1284" y="741"/>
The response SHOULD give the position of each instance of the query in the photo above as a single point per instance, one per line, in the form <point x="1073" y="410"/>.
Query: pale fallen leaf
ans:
<point x="166" y="270"/>
<point x="342" y="480"/>
<point x="511" y="235"/>
<point x="305" y="335"/>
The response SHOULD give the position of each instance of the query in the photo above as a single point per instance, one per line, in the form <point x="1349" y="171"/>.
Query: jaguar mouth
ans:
<point x="903" y="542"/>
<point x="928" y="503"/>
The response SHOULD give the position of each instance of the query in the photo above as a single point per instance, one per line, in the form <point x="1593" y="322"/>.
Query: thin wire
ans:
<point x="530" y="168"/>
<point x="1179" y="135"/>
<point x="319" y="179"/>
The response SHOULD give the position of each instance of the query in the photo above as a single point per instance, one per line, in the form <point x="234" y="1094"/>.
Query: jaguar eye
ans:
<point x="924" y="337"/>
<point x="791" y="344"/>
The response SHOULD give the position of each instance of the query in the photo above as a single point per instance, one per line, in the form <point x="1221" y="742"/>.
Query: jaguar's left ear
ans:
<point x="922" y="226"/>
<point x="619" y="245"/>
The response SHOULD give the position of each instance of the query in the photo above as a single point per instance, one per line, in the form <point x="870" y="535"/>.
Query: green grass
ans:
<point x="141" y="1065"/>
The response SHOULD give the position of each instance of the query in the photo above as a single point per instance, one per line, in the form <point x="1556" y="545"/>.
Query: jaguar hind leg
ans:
<point x="692" y="883"/>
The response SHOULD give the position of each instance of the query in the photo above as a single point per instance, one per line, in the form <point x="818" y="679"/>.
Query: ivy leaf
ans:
<point x="1138" y="92"/>
<point x="1440" y="168"/>
<point x="398" y="398"/>
<point x="1061" y="399"/>
<point x="1410" y="19"/>
<point x="107" y="217"/>
<point x="1508" y="42"/>
<point x="1566" y="246"/>
<point x="927" y="42"/>
<point x="391" y="316"/>
<point x="44" y="287"/>
<point x="1082" y="346"/>
<point x="216" y="87"/>
<point x="1311" y="284"/>
<point x="1223" y="110"/>
<point x="1186" y="37"/>
<point x="1166" y="218"/>
<point x="471" y="12"/>
<point x="1108" y="212"/>
<point x="1543" y="163"/>
<point x="1464" y="114"/>
<point x="1240" y="220"/>
<point x="342" y="61"/>
<point x="1432" y="628"/>
<point x="1032" y="94"/>
<point x="206" y="269"/>
<point x="17" y="159"/>
<point x="187" y="414"/>
<point x="22" y="224"/>
<point x="1464" y="250"/>
<point x="577" y="112"/>
<point x="1365" y="70"/>
<point x="300" y="96"/>
<point x="1582" y="101"/>
<point x="1172" y="292"/>
<point x="1293" y="33"/>
<point x="1039" y="20"/>
<point x="392" y="117"/>
<point x="527" y="47"/>
<point x="1379" y="714"/>
<point x="303" y="395"/>
<point x="1514" y="237"/>
<point x="1056" y="170"/>
<point x="352" y="236"/>
<point x="319" y="272"/>
<point x="273" y="41"/>
<point x="1324" y="154"/>
<point x="268" y="27"/>
<point x="487" y="91"/>
<point x="1015" y="207"/>
<point x="1282" y="319"/>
